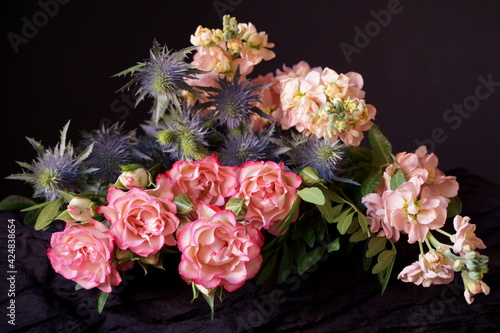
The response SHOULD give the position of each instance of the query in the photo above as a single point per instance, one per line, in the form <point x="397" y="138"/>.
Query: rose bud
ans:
<point x="139" y="178"/>
<point x="81" y="208"/>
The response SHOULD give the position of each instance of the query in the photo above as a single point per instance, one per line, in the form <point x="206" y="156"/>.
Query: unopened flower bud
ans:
<point x="483" y="259"/>
<point x="183" y="204"/>
<point x="81" y="208"/>
<point x="309" y="176"/>
<point x="151" y="259"/>
<point x="470" y="255"/>
<point x="238" y="207"/>
<point x="124" y="255"/>
<point x="476" y="276"/>
<point x="135" y="178"/>
<point x="458" y="265"/>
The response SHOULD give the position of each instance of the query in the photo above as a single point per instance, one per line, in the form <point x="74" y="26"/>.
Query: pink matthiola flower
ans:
<point x="257" y="46"/>
<point x="269" y="102"/>
<point x="414" y="211"/>
<point x="204" y="180"/>
<point x="342" y="85"/>
<point x="473" y="287"/>
<point x="84" y="253"/>
<point x="140" y="222"/>
<point x="360" y="122"/>
<point x="465" y="235"/>
<point x="218" y="251"/>
<point x="355" y="85"/>
<point x="438" y="182"/>
<point x="432" y="268"/>
<point x="300" y="98"/>
<point x="270" y="191"/>
<point x="376" y="214"/>
<point x="213" y="59"/>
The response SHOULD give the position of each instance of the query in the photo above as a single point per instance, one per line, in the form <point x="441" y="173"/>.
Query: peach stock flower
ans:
<point x="140" y="222"/>
<point x="218" y="251"/>
<point x="270" y="191"/>
<point x="376" y="214"/>
<point x="205" y="180"/>
<point x="413" y="210"/>
<point x="473" y="287"/>
<point x="431" y="268"/>
<point x="83" y="253"/>
<point x="465" y="235"/>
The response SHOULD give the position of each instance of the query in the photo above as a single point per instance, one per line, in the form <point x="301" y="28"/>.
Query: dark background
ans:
<point x="416" y="67"/>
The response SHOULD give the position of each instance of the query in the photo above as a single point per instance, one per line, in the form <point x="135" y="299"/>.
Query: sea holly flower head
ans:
<point x="113" y="146"/>
<point x="163" y="77"/>
<point x="55" y="168"/>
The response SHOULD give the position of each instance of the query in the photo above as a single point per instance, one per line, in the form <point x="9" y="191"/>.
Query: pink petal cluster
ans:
<point x="204" y="180"/>
<point x="465" y="235"/>
<point x="139" y="221"/>
<point x="417" y="205"/>
<point x="218" y="251"/>
<point x="270" y="192"/>
<point x="304" y="94"/>
<point x="432" y="268"/>
<point x="84" y="253"/>
<point x="473" y="287"/>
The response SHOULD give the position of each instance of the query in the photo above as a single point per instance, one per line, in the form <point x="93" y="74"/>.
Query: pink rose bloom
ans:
<point x="432" y="268"/>
<point x="163" y="188"/>
<point x="465" y="235"/>
<point x="140" y="222"/>
<point x="438" y="182"/>
<point x="473" y="287"/>
<point x="270" y="191"/>
<point x="204" y="180"/>
<point x="84" y="253"/>
<point x="413" y="210"/>
<point x="218" y="251"/>
<point x="376" y="214"/>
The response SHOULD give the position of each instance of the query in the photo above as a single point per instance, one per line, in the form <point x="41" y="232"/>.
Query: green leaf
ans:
<point x="66" y="195"/>
<point x="267" y="269"/>
<point x="31" y="216"/>
<point x="364" y="223"/>
<point x="312" y="195"/>
<point x="310" y="259"/>
<point x="397" y="179"/>
<point x="78" y="287"/>
<point x="375" y="245"/>
<point x="64" y="216"/>
<point x="333" y="246"/>
<point x="47" y="214"/>
<point x="319" y="229"/>
<point x="372" y="181"/>
<point x="359" y="154"/>
<point x="16" y="202"/>
<point x="101" y="302"/>
<point x="131" y="69"/>
<point x="333" y="196"/>
<point x="43" y="204"/>
<point x="454" y="207"/>
<point x="358" y="236"/>
<point x="309" y="236"/>
<point x="287" y="220"/>
<point x="344" y="220"/>
<point x="286" y="265"/>
<point x="382" y="148"/>
<point x="385" y="258"/>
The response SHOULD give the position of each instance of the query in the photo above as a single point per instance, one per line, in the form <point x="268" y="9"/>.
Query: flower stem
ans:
<point x="444" y="232"/>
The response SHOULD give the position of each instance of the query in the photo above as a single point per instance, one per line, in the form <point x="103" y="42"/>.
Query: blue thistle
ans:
<point x="55" y="168"/>
<point x="149" y="152"/>
<point x="112" y="148"/>
<point x="184" y="136"/>
<point x="232" y="101"/>
<point x="162" y="77"/>
<point x="239" y="149"/>
<point x="326" y="156"/>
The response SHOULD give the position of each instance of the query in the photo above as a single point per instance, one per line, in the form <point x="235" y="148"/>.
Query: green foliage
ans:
<point x="15" y="203"/>
<point x="48" y="214"/>
<point x="101" y="302"/>
<point x="454" y="207"/>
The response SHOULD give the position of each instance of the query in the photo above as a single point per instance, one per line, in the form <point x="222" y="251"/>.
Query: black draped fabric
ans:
<point x="335" y="296"/>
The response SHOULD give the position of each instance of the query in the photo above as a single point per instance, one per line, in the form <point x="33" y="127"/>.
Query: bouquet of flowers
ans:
<point x="239" y="178"/>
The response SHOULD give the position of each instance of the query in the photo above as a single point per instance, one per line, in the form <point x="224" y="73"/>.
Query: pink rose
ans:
<point x="140" y="222"/>
<point x="270" y="191"/>
<point x="83" y="253"/>
<point x="218" y="251"/>
<point x="204" y="181"/>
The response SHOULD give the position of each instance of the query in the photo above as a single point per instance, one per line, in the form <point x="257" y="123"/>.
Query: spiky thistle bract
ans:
<point x="232" y="102"/>
<point x="162" y="77"/>
<point x="112" y="147"/>
<point x="55" y="168"/>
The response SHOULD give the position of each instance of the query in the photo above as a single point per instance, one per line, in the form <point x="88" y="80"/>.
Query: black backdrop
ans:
<point x="422" y="62"/>
<point x="427" y="59"/>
